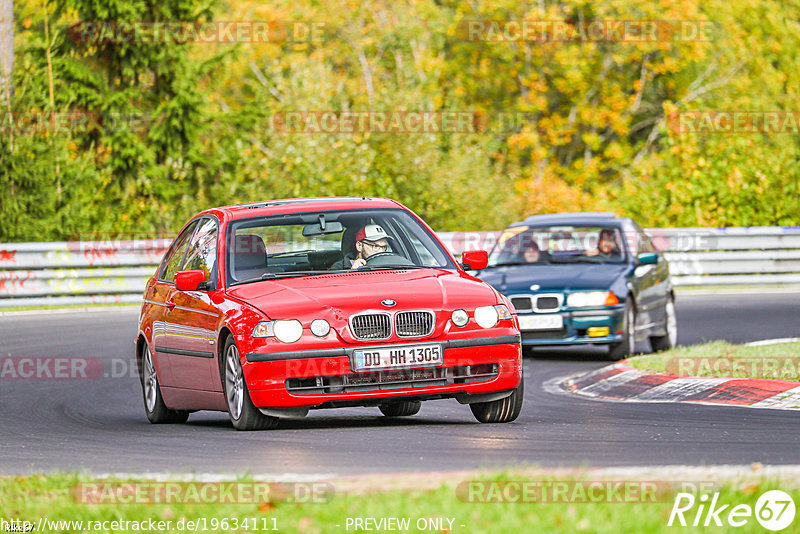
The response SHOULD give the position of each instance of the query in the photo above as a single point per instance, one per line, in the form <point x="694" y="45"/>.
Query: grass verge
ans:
<point x="55" y="498"/>
<point x="720" y="359"/>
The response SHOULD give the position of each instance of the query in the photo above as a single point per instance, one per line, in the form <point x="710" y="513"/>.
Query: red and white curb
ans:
<point x="621" y="382"/>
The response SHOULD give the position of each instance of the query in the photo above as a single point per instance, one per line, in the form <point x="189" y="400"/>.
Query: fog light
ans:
<point x="320" y="327"/>
<point x="460" y="318"/>
<point x="598" y="331"/>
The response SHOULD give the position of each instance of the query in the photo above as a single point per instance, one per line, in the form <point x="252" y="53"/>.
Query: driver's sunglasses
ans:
<point x="382" y="248"/>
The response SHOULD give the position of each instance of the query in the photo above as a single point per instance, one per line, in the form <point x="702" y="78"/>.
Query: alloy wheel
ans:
<point x="150" y="382"/>
<point x="234" y="382"/>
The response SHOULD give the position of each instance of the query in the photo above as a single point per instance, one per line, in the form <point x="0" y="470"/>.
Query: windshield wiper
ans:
<point x="273" y="276"/>
<point x="391" y="267"/>
<point x="578" y="259"/>
<point x="290" y="253"/>
<point x="289" y="274"/>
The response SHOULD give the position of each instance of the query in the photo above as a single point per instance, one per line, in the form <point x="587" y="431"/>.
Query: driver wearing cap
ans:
<point x="370" y="240"/>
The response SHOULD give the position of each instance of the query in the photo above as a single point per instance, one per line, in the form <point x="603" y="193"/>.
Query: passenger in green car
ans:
<point x="532" y="253"/>
<point x="607" y="245"/>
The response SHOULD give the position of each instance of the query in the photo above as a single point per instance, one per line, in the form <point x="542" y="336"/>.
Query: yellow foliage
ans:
<point x="552" y="195"/>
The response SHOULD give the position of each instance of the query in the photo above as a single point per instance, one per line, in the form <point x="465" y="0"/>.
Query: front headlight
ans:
<point x="288" y="331"/>
<point x="488" y="316"/>
<point x="285" y="330"/>
<point x="587" y="299"/>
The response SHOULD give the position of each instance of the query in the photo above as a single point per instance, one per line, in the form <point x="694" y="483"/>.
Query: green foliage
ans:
<point x="185" y="126"/>
<point x="719" y="181"/>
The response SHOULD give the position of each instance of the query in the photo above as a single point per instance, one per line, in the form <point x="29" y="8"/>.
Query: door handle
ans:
<point x="169" y="303"/>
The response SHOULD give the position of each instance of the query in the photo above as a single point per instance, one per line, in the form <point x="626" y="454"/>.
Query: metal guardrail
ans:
<point x="102" y="272"/>
<point x="77" y="272"/>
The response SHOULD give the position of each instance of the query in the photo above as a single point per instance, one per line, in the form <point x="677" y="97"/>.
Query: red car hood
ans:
<point x="343" y="294"/>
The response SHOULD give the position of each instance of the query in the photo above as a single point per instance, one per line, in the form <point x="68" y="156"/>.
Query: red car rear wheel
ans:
<point x="157" y="412"/>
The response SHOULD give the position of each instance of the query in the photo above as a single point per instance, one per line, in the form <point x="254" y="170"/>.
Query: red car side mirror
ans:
<point x="189" y="280"/>
<point x="475" y="260"/>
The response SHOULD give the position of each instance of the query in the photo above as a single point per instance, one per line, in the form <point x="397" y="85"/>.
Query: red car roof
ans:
<point x="294" y="205"/>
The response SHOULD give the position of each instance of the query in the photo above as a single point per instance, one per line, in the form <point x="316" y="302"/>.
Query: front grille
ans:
<point x="371" y="326"/>
<point x="396" y="379"/>
<point x="522" y="303"/>
<point x="547" y="303"/>
<point x="414" y="324"/>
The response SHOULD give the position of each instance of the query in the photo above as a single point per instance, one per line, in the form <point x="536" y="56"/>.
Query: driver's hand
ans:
<point x="592" y="252"/>
<point x="358" y="262"/>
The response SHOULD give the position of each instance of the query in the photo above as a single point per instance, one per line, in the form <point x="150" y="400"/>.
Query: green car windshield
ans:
<point x="521" y="245"/>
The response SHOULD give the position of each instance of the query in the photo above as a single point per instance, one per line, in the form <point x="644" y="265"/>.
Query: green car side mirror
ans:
<point x="647" y="258"/>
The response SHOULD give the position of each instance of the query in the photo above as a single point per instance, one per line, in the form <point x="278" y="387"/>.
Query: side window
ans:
<point x="173" y="263"/>
<point x="424" y="254"/>
<point x="202" y="252"/>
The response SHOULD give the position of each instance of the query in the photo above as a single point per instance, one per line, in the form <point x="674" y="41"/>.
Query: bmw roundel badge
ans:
<point x="388" y="303"/>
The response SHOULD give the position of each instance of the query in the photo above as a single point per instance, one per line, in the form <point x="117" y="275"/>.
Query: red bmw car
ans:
<point x="269" y="309"/>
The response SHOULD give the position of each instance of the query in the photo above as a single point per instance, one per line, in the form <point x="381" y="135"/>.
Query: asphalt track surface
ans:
<point x="98" y="425"/>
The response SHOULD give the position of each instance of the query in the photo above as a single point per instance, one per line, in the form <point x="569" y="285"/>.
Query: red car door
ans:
<point x="163" y="305"/>
<point x="192" y="322"/>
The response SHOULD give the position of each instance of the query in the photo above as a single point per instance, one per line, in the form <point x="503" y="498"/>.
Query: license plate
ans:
<point x="400" y="357"/>
<point x="540" y="322"/>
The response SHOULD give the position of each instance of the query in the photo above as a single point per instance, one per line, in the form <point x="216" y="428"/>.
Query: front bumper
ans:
<point x="289" y="379"/>
<point x="576" y="327"/>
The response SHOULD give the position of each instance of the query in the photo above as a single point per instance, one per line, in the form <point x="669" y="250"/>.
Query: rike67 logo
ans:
<point x="774" y="511"/>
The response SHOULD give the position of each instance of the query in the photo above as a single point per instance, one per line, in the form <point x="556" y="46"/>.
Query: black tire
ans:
<point x="500" y="411"/>
<point x="400" y="408"/>
<point x="154" y="407"/>
<point x="670" y="338"/>
<point x="244" y="415"/>
<point x="617" y="351"/>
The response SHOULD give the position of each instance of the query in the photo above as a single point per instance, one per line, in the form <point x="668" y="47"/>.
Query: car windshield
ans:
<point x="314" y="243"/>
<point x="523" y="245"/>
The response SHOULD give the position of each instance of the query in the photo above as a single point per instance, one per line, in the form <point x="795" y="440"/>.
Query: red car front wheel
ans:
<point x="503" y="410"/>
<point x="244" y="415"/>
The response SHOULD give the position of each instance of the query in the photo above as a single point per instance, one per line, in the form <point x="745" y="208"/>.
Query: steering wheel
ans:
<point x="379" y="255"/>
<point x="388" y="258"/>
